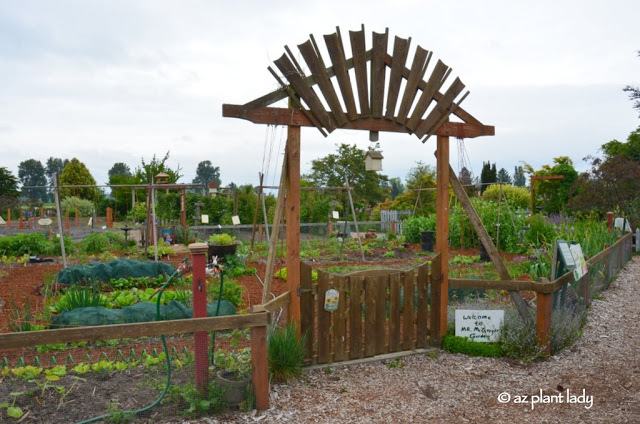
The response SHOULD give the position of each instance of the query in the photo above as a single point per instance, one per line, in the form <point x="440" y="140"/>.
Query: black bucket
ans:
<point x="427" y="241"/>
<point x="484" y="256"/>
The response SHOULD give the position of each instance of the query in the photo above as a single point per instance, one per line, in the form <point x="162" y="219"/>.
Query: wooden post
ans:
<point x="442" y="231"/>
<point x="260" y="376"/>
<point x="8" y="217"/>
<point x="21" y="221"/>
<point x="66" y="220"/>
<point x="56" y="197"/>
<point x="436" y="279"/>
<point x="183" y="211"/>
<point x="198" y="251"/>
<point x="543" y="322"/>
<point x="293" y="222"/>
<point x="610" y="221"/>
<point x="393" y="227"/>
<point x="76" y="217"/>
<point x="330" y="228"/>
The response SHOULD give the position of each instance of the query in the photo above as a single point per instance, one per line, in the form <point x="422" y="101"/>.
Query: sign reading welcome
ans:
<point x="479" y="325"/>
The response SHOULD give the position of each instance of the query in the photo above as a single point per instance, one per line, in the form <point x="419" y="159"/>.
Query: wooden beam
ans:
<point x="336" y="53"/>
<point x="138" y="329"/>
<point x="378" y="70"/>
<point x="358" y="49"/>
<point x="485" y="239"/>
<point x="400" y="52"/>
<point x="286" y="116"/>
<point x="272" y="305"/>
<point x="293" y="222"/>
<point x="442" y="228"/>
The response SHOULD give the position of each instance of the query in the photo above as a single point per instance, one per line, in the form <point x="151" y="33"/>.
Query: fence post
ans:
<point x="109" y="217"/>
<point x="66" y="220"/>
<point x="436" y="304"/>
<point x="198" y="251"/>
<point x="610" y="221"/>
<point x="260" y="373"/>
<point x="543" y="322"/>
<point x="637" y="239"/>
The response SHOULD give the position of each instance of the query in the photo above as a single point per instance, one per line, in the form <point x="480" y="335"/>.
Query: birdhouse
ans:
<point x="373" y="160"/>
<point x="162" y="178"/>
<point x="213" y="188"/>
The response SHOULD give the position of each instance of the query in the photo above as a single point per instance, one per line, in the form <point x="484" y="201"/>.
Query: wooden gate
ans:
<point x="379" y="311"/>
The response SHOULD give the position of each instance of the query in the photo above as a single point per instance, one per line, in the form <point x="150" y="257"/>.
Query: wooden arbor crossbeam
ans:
<point x="372" y="91"/>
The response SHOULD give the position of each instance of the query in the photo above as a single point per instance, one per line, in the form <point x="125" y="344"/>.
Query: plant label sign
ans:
<point x="479" y="325"/>
<point x="581" y="265"/>
<point x="204" y="218"/>
<point x="335" y="215"/>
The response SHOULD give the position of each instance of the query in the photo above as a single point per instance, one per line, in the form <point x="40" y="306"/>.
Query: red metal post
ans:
<point x="198" y="251"/>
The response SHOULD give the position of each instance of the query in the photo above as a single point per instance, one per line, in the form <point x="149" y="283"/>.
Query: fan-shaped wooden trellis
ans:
<point x="420" y="108"/>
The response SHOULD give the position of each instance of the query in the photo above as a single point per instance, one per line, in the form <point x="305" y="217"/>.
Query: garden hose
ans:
<point x="166" y="353"/>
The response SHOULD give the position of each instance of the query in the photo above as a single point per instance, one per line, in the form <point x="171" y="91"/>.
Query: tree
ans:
<point x="120" y="168"/>
<point x="349" y="162"/>
<point x="206" y="173"/>
<point x="519" y="179"/>
<point x="31" y="173"/>
<point x="634" y="93"/>
<point x="630" y="149"/>
<point x="466" y="179"/>
<point x="54" y="166"/>
<point x="420" y="177"/>
<point x="397" y="187"/>
<point x="503" y="176"/>
<point x="8" y="189"/>
<point x="612" y="184"/>
<point x="76" y="173"/>
<point x="147" y="171"/>
<point x="553" y="195"/>
<point x="121" y="201"/>
<point x="488" y="176"/>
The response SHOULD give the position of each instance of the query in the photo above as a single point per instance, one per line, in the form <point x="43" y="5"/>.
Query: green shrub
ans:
<point x="70" y="246"/>
<point x="517" y="197"/>
<point x="222" y="239"/>
<point x="70" y="204"/>
<point x="540" y="231"/>
<point x="285" y="352"/>
<point x="95" y="243"/>
<point x="24" y="244"/>
<point x="456" y="344"/>
<point x="413" y="227"/>
<point x="78" y="297"/>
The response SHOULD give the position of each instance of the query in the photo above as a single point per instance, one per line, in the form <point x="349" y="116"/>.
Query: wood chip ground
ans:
<point x="604" y="364"/>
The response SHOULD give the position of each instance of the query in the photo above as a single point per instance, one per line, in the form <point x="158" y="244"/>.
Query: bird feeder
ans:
<point x="162" y="178"/>
<point x="373" y="160"/>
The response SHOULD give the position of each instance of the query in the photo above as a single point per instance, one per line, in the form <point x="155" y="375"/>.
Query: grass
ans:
<point x="286" y="350"/>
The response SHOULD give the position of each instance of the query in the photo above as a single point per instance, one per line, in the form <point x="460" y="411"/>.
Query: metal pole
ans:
<point x="266" y="220"/>
<point x="355" y="221"/>
<point x="56" y="194"/>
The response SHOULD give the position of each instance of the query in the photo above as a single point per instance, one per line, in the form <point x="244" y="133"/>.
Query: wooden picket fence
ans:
<point x="379" y="312"/>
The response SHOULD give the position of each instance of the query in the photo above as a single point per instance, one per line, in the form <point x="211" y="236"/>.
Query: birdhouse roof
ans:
<point x="374" y="154"/>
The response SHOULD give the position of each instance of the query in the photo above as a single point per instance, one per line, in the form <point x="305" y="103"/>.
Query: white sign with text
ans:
<point x="479" y="325"/>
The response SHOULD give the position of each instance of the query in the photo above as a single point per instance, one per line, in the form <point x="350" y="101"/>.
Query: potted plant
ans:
<point x="233" y="374"/>
<point x="221" y="245"/>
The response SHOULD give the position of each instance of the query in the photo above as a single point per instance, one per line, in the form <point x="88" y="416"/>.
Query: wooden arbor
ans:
<point x="375" y="92"/>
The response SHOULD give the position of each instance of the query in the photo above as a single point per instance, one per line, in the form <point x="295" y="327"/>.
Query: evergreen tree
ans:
<point x="519" y="179"/>
<point x="31" y="173"/>
<point x="76" y="173"/>
<point x="503" y="176"/>
<point x="488" y="176"/>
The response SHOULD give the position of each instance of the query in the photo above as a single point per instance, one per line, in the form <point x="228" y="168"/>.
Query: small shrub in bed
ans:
<point x="285" y="353"/>
<point x="456" y="344"/>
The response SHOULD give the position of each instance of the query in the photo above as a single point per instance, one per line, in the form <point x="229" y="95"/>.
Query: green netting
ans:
<point x="119" y="268"/>
<point x="140" y="312"/>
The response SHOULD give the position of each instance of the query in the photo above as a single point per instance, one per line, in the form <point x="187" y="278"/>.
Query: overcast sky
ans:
<point x="117" y="81"/>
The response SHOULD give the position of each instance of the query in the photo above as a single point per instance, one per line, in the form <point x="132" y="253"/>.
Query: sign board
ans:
<point x="204" y="219"/>
<point x="44" y="221"/>
<point x="622" y="224"/>
<point x="90" y="222"/>
<point x="565" y="255"/>
<point x="235" y="220"/>
<point x="335" y="215"/>
<point x="578" y="258"/>
<point x="479" y="325"/>
<point x="2" y="221"/>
